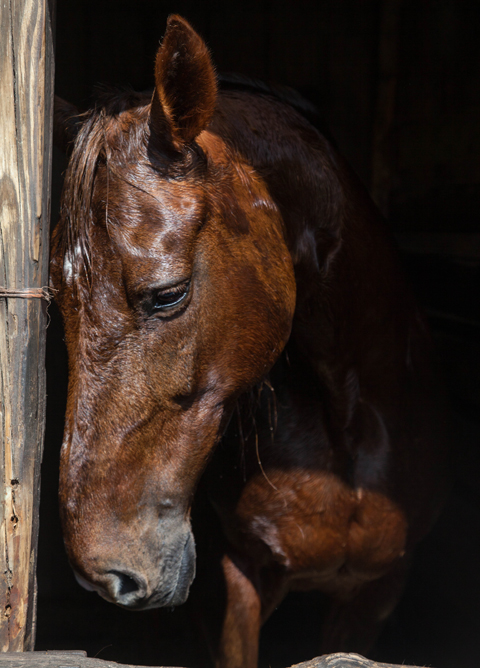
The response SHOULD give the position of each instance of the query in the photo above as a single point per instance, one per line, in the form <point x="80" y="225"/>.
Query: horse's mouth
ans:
<point x="186" y="573"/>
<point x="178" y="593"/>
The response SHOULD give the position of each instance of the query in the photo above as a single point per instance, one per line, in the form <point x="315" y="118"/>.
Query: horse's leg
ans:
<point x="238" y="646"/>
<point x="227" y="610"/>
<point x="354" y="625"/>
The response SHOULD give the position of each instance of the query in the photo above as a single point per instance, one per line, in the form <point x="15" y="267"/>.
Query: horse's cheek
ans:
<point x="257" y="310"/>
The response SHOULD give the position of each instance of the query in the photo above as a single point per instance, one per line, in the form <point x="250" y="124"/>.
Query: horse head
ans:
<point x="177" y="293"/>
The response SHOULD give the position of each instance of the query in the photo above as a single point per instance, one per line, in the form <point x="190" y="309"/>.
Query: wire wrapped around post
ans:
<point x="45" y="293"/>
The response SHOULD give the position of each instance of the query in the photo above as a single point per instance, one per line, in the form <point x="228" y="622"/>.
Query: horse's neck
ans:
<point x="354" y="316"/>
<point x="356" y="320"/>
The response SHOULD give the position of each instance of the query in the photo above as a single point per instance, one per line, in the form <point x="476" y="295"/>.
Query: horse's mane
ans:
<point x="232" y="81"/>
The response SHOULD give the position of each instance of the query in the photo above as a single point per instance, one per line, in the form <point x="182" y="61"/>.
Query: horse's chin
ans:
<point x="178" y="594"/>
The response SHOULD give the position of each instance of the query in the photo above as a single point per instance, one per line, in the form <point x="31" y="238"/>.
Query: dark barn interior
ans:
<point x="396" y="82"/>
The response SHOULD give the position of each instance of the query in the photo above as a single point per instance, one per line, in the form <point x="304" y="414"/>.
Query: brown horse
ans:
<point x="241" y="342"/>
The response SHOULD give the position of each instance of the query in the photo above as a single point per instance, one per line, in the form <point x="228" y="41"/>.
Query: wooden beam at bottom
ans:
<point x="80" y="660"/>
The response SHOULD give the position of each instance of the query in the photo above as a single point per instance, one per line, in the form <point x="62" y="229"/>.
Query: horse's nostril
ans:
<point x="127" y="584"/>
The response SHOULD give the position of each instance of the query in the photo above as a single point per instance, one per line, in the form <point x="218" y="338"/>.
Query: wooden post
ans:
<point x="26" y="104"/>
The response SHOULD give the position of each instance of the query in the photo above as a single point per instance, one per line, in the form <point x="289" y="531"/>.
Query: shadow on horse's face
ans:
<point x="177" y="294"/>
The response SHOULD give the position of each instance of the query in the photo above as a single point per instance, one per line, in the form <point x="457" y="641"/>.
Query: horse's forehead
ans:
<point x="163" y="257"/>
<point x="150" y="232"/>
<point x="162" y="218"/>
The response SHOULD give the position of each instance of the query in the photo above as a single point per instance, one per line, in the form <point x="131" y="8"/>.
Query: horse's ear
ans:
<point x="185" y="84"/>
<point x="65" y="124"/>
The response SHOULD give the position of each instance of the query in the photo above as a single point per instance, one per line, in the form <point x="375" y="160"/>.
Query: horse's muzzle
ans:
<point x="131" y="589"/>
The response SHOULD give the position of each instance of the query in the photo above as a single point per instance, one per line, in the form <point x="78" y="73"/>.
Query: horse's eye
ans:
<point x="163" y="300"/>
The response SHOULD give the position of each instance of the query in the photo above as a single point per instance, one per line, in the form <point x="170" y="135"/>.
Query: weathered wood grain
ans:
<point x="345" y="661"/>
<point x="26" y="95"/>
<point x="79" y="660"/>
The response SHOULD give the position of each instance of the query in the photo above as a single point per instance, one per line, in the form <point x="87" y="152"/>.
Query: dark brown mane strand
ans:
<point x="232" y="81"/>
<point x="76" y="214"/>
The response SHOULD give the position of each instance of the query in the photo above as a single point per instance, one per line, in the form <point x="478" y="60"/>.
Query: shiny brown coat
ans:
<point x="240" y="338"/>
